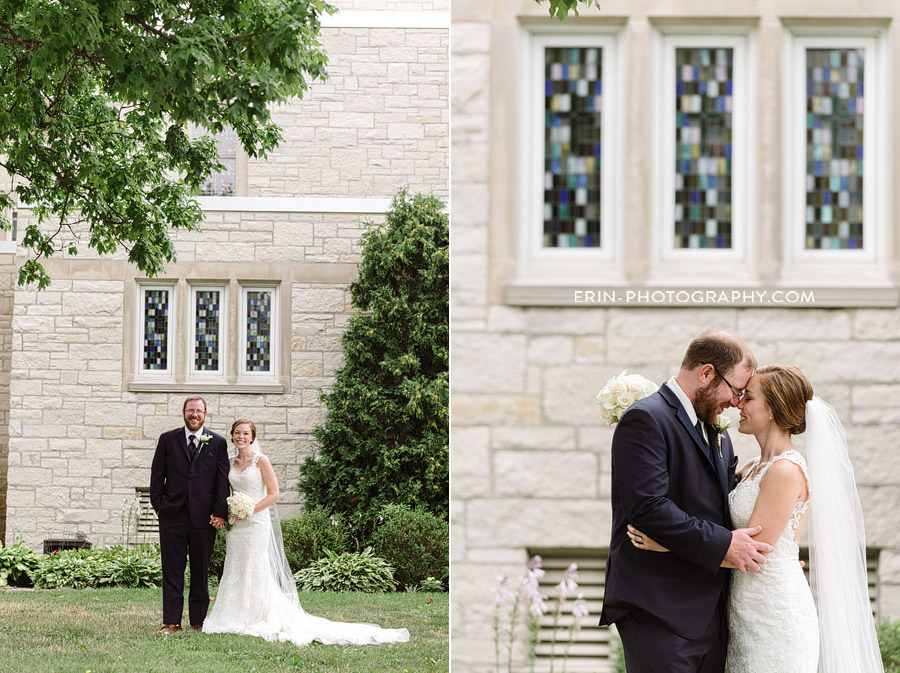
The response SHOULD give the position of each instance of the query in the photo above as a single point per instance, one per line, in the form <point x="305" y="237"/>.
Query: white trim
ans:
<point x="867" y="263"/>
<point x="7" y="247"/>
<point x="378" y="19"/>
<point x="194" y="374"/>
<point x="532" y="253"/>
<point x="156" y="375"/>
<point x="245" y="376"/>
<point x="287" y="204"/>
<point x="671" y="264"/>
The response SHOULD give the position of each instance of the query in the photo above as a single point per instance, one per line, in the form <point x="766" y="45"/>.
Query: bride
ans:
<point x="257" y="595"/>
<point x="774" y="623"/>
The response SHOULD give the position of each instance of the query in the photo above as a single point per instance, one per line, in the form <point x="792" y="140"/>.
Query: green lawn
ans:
<point x="105" y="630"/>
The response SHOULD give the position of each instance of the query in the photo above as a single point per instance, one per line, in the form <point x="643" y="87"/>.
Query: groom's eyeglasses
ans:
<point x="737" y="393"/>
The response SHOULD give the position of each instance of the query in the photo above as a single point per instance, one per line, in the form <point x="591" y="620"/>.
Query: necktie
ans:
<point x="192" y="445"/>
<point x="702" y="432"/>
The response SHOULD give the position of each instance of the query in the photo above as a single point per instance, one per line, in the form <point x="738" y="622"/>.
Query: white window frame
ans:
<point x="569" y="261"/>
<point x="243" y="374"/>
<point x="159" y="375"/>
<point x="670" y="263"/>
<point x="867" y="263"/>
<point x="195" y="374"/>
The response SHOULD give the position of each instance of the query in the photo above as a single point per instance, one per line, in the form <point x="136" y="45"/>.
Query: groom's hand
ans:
<point x="745" y="553"/>
<point x="216" y="521"/>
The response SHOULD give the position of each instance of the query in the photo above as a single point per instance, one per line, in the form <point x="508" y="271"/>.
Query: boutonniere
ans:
<point x="204" y="440"/>
<point x="720" y="426"/>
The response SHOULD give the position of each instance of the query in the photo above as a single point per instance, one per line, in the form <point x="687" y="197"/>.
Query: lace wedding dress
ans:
<point x="250" y="600"/>
<point x="772" y="621"/>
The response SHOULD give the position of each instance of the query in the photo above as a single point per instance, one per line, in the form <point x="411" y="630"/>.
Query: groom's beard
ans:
<point x="706" y="403"/>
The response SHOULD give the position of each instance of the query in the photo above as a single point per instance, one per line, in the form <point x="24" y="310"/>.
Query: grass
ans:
<point x="114" y="631"/>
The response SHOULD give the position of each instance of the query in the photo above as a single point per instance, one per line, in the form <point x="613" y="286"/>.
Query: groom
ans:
<point x="188" y="490"/>
<point x="670" y="480"/>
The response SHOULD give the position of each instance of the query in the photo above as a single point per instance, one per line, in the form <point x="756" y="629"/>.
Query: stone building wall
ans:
<point x="530" y="469"/>
<point x="377" y="124"/>
<point x="81" y="434"/>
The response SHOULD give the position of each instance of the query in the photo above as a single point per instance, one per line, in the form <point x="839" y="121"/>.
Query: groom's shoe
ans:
<point x="197" y="627"/>
<point x="169" y="628"/>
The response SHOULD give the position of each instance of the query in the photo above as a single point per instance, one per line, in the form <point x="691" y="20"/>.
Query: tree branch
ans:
<point x="134" y="18"/>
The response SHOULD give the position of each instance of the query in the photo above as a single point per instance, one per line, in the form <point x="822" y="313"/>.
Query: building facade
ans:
<point x="251" y="314"/>
<point x="623" y="180"/>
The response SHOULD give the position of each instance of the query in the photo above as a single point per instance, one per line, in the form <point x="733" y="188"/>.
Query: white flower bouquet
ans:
<point x="240" y="506"/>
<point x="620" y="392"/>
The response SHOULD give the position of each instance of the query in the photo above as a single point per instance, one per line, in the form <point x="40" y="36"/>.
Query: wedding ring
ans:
<point x="640" y="540"/>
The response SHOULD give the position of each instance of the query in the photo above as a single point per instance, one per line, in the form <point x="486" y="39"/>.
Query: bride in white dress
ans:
<point x="257" y="595"/>
<point x="775" y="625"/>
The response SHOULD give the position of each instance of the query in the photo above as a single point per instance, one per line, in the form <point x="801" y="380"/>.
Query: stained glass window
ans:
<point x="259" y="331"/>
<point x="573" y="104"/>
<point x="156" y="330"/>
<point x="834" y="148"/>
<point x="206" y="330"/>
<point x="703" y="145"/>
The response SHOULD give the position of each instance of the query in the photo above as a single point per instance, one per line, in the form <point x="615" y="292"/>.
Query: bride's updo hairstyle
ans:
<point x="244" y="421"/>
<point x="786" y="390"/>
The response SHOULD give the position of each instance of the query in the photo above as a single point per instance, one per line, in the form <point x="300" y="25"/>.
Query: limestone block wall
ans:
<point x="7" y="279"/>
<point x="530" y="466"/>
<point x="81" y="442"/>
<point x="377" y="124"/>
<point x="531" y="462"/>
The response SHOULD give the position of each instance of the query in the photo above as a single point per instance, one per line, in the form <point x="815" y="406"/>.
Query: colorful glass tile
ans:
<point x="259" y="331"/>
<point x="834" y="149"/>
<point x="156" y="330"/>
<point x="703" y="145"/>
<point x="573" y="105"/>
<point x="206" y="331"/>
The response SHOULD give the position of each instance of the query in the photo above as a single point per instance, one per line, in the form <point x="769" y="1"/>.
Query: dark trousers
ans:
<point x="651" y="647"/>
<point x="177" y="540"/>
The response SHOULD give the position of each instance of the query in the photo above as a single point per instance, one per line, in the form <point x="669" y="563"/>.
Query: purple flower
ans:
<point x="531" y="590"/>
<point x="568" y="586"/>
<point x="504" y="594"/>
<point x="579" y="608"/>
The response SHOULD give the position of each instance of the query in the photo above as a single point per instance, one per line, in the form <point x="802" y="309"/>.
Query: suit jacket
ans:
<point x="203" y="484"/>
<point x="669" y="484"/>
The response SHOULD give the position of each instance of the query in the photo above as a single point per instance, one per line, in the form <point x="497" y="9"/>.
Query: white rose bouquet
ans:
<point x="240" y="507"/>
<point x="620" y="392"/>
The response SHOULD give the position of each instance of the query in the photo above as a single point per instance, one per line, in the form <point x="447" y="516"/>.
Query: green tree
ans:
<point x="97" y="98"/>
<point x="385" y="439"/>
<point x="561" y="8"/>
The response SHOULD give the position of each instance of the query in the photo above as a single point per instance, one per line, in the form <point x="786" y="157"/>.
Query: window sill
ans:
<point x="572" y="294"/>
<point x="271" y="387"/>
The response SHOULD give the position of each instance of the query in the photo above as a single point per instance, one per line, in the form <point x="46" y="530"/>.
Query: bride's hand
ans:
<point x="642" y="541"/>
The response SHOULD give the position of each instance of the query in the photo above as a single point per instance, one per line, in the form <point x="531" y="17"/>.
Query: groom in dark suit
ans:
<point x="670" y="479"/>
<point x="188" y="491"/>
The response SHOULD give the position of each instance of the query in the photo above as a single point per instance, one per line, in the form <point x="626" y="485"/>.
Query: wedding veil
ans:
<point x="847" y="642"/>
<point x="275" y="550"/>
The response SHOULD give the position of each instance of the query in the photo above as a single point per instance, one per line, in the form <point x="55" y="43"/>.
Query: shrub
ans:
<point x="307" y="537"/>
<point x="355" y="571"/>
<point x="415" y="542"/>
<point x="18" y="564"/>
<point x="385" y="436"/>
<point x="133" y="570"/>
<point x="217" y="558"/>
<point x="889" y="642"/>
<point x="617" y="654"/>
<point x="89" y="568"/>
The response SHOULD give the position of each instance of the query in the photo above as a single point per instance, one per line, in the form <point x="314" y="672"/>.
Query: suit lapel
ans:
<point x="184" y="446"/>
<point x="719" y="462"/>
<point x="682" y="417"/>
